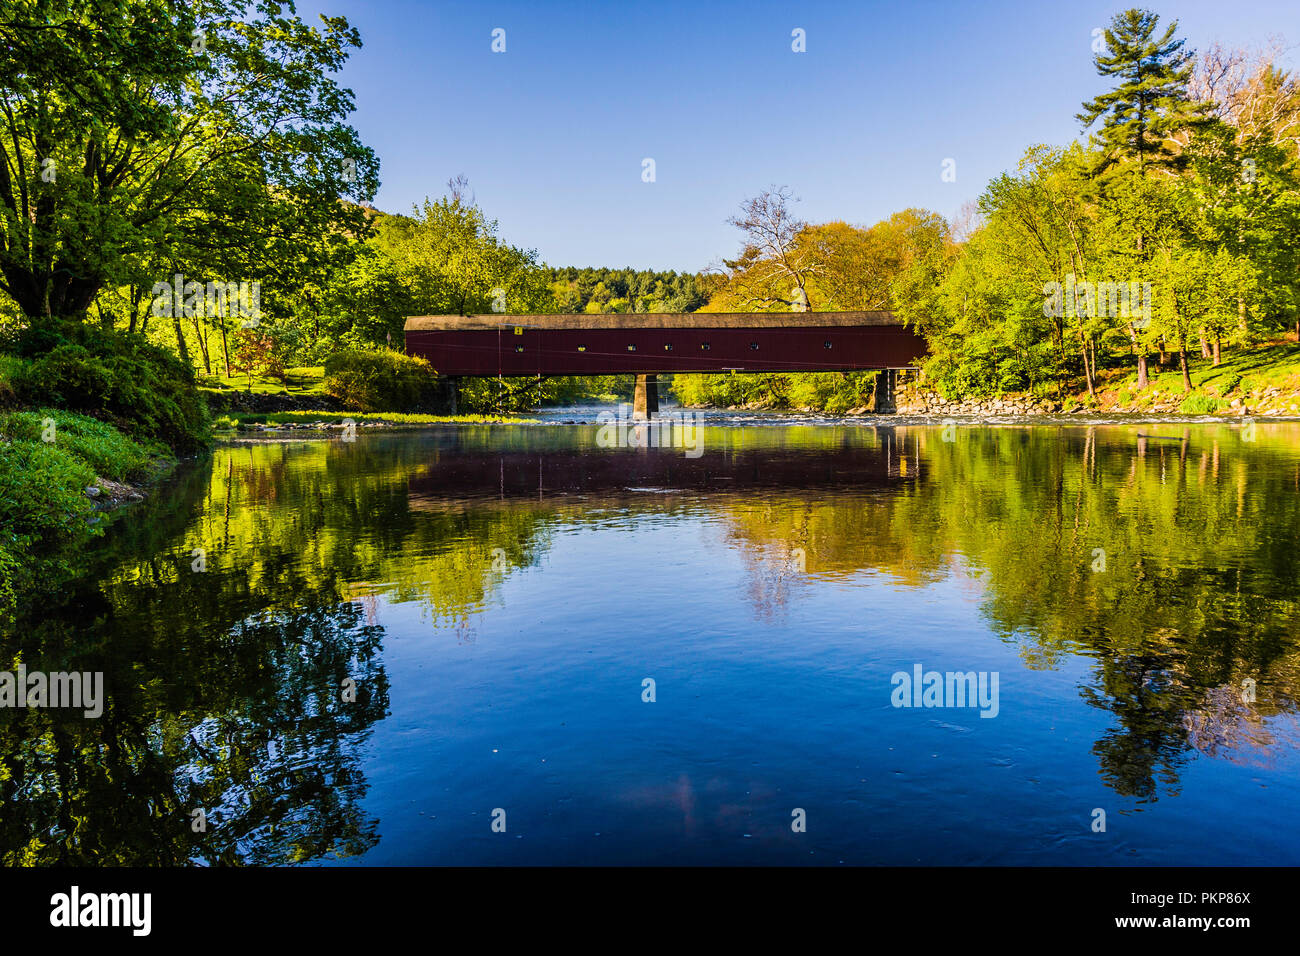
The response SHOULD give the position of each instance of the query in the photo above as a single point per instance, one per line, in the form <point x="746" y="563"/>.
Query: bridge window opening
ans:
<point x="631" y="348"/>
<point x="704" y="346"/>
<point x="826" y="345"/>
<point x="519" y="348"/>
<point x="582" y="348"/>
<point x="754" y="346"/>
<point x="668" y="346"/>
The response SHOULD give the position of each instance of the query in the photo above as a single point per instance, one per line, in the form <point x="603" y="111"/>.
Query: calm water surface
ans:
<point x="500" y="596"/>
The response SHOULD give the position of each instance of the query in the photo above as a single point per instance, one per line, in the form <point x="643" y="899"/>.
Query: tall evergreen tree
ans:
<point x="1140" y="118"/>
<point x="1150" y="104"/>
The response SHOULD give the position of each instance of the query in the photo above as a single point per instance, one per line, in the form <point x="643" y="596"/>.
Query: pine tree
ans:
<point x="1140" y="117"/>
<point x="1150" y="104"/>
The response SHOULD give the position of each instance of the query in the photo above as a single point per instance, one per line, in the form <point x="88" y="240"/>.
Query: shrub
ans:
<point x="43" y="499"/>
<point x="102" y="447"/>
<point x="1198" y="404"/>
<point x="379" y="381"/>
<point x="12" y="369"/>
<point x="123" y="379"/>
<point x="44" y="515"/>
<point x="11" y="576"/>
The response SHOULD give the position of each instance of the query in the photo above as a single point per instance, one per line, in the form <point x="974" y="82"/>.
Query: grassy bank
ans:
<point x="1263" y="380"/>
<point x="305" y="382"/>
<point x="58" y="470"/>
<point x="238" y="420"/>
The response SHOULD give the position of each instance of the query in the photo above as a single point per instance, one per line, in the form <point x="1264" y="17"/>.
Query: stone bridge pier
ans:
<point x="883" y="398"/>
<point x="645" y="400"/>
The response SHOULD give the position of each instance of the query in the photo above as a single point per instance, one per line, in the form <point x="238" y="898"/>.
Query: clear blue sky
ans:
<point x="552" y="132"/>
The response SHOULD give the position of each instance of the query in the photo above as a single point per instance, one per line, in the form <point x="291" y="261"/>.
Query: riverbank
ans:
<point x="59" y="473"/>
<point x="1263" y="380"/>
<point x="321" y="420"/>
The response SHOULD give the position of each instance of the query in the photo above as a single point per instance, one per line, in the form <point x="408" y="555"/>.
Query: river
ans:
<point x="513" y="645"/>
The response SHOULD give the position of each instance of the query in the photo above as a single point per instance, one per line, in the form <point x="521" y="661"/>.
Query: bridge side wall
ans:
<point x="534" y="351"/>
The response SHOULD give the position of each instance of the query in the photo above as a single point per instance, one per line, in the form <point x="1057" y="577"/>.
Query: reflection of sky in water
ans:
<point x="521" y="585"/>
<point x="755" y="715"/>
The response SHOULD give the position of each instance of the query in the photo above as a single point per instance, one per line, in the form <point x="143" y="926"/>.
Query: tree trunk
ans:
<point x="1087" y="370"/>
<point x="1217" y="350"/>
<point x="136" y="295"/>
<point x="1205" y="345"/>
<point x="1182" y="363"/>
<point x="1142" y="370"/>
<point x="180" y="341"/>
<point x="203" y="345"/>
<point x="225" y="347"/>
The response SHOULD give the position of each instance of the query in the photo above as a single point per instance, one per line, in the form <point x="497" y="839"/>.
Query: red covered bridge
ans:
<point x="645" y="344"/>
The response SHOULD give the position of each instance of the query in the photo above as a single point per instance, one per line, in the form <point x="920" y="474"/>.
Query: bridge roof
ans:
<point x="649" y="320"/>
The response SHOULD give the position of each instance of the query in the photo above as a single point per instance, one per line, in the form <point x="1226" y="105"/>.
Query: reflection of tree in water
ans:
<point x="279" y="777"/>
<point x="1227" y="726"/>
<point x="252" y="730"/>
<point x="223" y="687"/>
<point x="1149" y="702"/>
<point x="1198" y="592"/>
<point x="465" y="631"/>
<point x="775" y="569"/>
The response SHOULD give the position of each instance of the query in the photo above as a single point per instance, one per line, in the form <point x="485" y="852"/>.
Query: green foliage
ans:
<point x="1198" y="404"/>
<point x="218" y="160"/>
<point x="12" y="369"/>
<point x="142" y="388"/>
<point x="601" y="290"/>
<point x="43" y="508"/>
<point x="379" y="381"/>
<point x="1149" y="104"/>
<point x="45" y="513"/>
<point x="42" y="493"/>
<point x="105" y="449"/>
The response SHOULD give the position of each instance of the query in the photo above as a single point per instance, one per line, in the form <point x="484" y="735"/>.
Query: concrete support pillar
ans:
<point x="883" y="400"/>
<point x="645" y="401"/>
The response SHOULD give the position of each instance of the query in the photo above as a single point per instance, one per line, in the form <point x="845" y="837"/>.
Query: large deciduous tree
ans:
<point x="199" y="129"/>
<point x="772" y="258"/>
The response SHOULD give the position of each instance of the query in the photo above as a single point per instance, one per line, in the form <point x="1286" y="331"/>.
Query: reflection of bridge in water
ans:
<point x="647" y="344"/>
<point x="619" y="472"/>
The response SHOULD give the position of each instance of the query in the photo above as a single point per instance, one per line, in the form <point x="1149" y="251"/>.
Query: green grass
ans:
<point x="101" y="447"/>
<point x="1198" y="404"/>
<point x="306" y="380"/>
<point x="1242" y="374"/>
<point x="48" y="458"/>
<point x="398" y="418"/>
